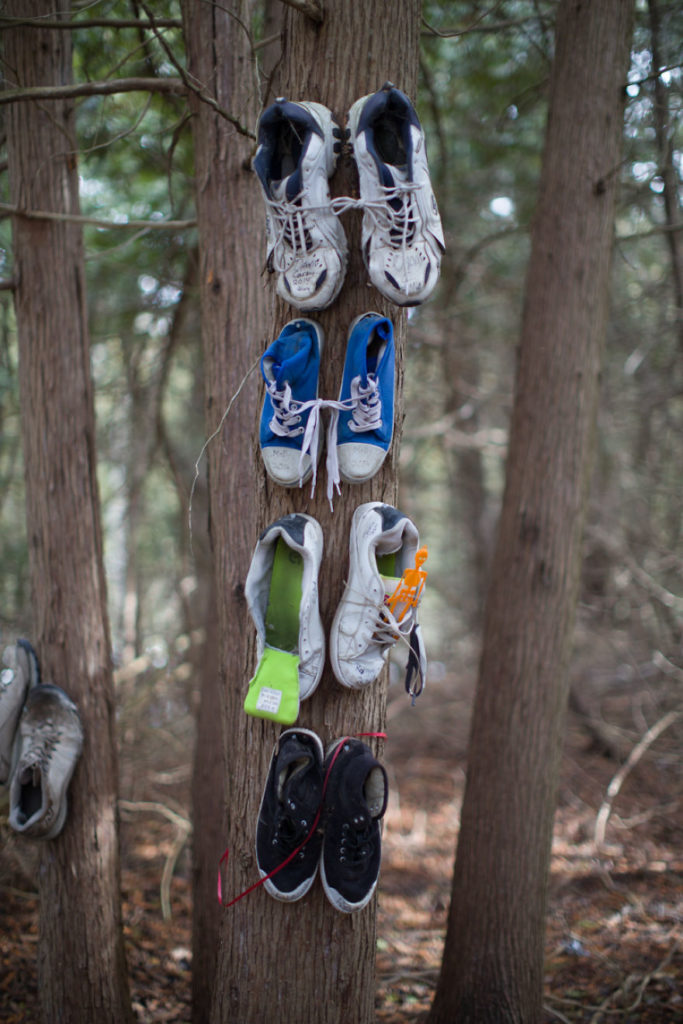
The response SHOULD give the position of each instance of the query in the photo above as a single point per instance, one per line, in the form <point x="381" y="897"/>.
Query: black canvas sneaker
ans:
<point x="355" y="800"/>
<point x="287" y="826"/>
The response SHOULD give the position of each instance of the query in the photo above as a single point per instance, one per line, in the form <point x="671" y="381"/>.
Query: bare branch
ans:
<point x="7" y="209"/>
<point x="475" y="26"/>
<point x="311" y="8"/>
<point x="191" y="83"/>
<point x="174" y="86"/>
<point x="70" y="26"/>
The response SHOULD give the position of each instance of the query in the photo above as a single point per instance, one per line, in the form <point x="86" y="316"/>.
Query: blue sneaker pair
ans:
<point x="362" y="418"/>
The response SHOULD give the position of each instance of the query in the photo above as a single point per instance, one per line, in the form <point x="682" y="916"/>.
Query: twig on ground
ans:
<point x="618" y="779"/>
<point x="183" y="829"/>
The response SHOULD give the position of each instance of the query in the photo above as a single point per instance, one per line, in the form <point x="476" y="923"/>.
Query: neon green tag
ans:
<point x="274" y="690"/>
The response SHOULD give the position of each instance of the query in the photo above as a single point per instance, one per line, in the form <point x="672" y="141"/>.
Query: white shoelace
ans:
<point x="395" y="226"/>
<point x="367" y="405"/>
<point x="289" y="216"/>
<point x="364" y="404"/>
<point x="388" y="630"/>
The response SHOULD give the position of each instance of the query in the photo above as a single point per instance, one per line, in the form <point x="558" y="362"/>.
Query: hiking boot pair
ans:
<point x="321" y="810"/>
<point x="362" y="418"/>
<point x="402" y="237"/>
<point x="41" y="738"/>
<point x="378" y="607"/>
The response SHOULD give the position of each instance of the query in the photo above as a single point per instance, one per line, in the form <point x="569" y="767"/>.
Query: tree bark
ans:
<point x="306" y="961"/>
<point x="81" y="962"/>
<point x="231" y="252"/>
<point x="493" y="959"/>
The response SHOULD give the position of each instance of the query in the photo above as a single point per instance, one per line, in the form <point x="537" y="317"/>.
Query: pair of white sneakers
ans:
<point x="41" y="739"/>
<point x="378" y="608"/>
<point x="402" y="236"/>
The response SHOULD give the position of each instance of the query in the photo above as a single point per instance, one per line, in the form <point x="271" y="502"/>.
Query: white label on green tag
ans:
<point x="269" y="700"/>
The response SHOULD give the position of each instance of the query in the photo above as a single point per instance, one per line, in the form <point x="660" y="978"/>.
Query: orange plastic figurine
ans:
<point x="409" y="588"/>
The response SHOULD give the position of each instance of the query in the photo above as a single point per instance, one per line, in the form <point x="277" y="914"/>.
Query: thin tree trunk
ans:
<point x="667" y="167"/>
<point x="231" y="254"/>
<point x="493" y="959"/>
<point x="81" y="963"/>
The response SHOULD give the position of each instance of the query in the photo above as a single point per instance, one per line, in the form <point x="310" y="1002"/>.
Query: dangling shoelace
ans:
<point x="364" y="404"/>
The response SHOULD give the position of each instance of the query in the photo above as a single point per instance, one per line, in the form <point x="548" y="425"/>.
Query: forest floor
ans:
<point x="614" y="943"/>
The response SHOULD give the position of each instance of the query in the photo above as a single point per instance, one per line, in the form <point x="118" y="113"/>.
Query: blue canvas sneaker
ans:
<point x="290" y="368"/>
<point x="402" y="234"/>
<point x="366" y="419"/>
<point x="307" y="247"/>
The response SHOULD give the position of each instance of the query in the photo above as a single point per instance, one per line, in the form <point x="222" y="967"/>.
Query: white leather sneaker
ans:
<point x="306" y="241"/>
<point x="50" y="743"/>
<point x="402" y="234"/>
<point x="380" y="600"/>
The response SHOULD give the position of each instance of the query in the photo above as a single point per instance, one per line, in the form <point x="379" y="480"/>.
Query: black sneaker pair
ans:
<point x="321" y="809"/>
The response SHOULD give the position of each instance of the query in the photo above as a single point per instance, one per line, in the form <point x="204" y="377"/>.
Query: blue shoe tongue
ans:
<point x="291" y="356"/>
<point x="290" y="369"/>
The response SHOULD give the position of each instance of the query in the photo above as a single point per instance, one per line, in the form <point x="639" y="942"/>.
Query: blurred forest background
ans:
<point x="482" y="101"/>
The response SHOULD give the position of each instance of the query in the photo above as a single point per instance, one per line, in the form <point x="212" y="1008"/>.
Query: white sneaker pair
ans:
<point x="402" y="236"/>
<point x="378" y="607"/>
<point x="41" y="739"/>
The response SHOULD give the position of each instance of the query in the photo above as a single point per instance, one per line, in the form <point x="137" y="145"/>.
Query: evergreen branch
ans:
<point x="191" y="83"/>
<point x="105" y="88"/>
<point x="6" y="209"/>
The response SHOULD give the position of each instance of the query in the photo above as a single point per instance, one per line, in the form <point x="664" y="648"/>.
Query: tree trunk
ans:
<point x="304" y="961"/>
<point x="82" y="973"/>
<point x="231" y="253"/>
<point x="493" y="959"/>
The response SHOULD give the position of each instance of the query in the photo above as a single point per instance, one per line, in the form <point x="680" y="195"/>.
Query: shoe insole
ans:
<point x="373" y="353"/>
<point x="284" y="599"/>
<point x="386" y="564"/>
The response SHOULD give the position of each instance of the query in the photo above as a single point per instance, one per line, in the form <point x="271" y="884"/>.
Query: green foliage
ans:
<point x="482" y="100"/>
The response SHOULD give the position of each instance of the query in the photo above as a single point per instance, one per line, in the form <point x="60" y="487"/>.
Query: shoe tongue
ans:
<point x="355" y="778"/>
<point x="30" y="775"/>
<point x="296" y="772"/>
<point x="390" y="583"/>
<point x="287" y="188"/>
<point x="393" y="175"/>
<point x="287" y="358"/>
